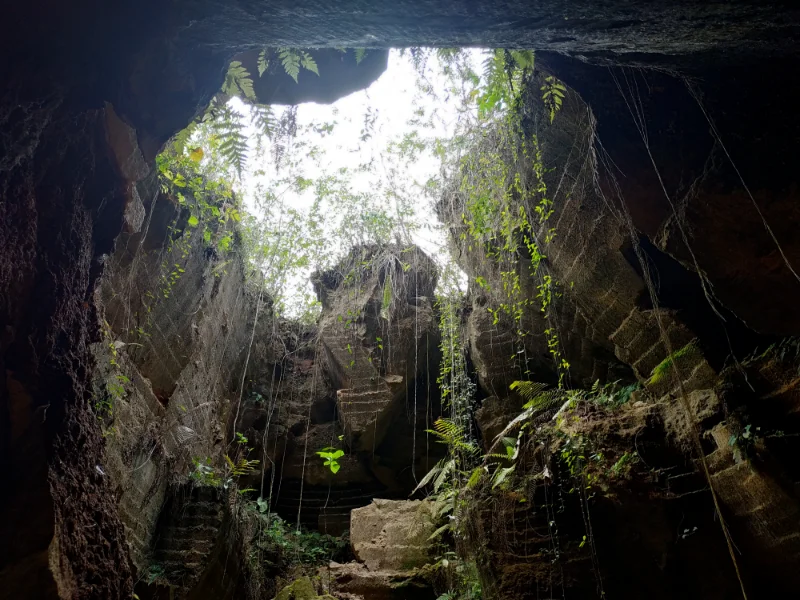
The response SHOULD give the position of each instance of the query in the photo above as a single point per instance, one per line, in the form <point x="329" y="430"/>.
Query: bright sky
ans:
<point x="395" y="102"/>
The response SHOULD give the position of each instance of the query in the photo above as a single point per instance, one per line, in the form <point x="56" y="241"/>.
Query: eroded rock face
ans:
<point x="361" y="382"/>
<point x="176" y="323"/>
<point x="377" y="323"/>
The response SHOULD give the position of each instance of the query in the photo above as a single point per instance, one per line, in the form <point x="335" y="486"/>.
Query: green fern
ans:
<point x="290" y="59"/>
<point x="293" y="60"/>
<point x="524" y="59"/>
<point x="238" y="82"/>
<point x="182" y="137"/>
<point x="263" y="62"/>
<point x="308" y="62"/>
<point x="536" y="395"/>
<point x="553" y="95"/>
<point x="233" y="142"/>
<point x="437" y="475"/>
<point x="360" y="54"/>
<point x="454" y="436"/>
<point x="537" y="400"/>
<point x="241" y="467"/>
<point x="262" y="117"/>
<point x="496" y="90"/>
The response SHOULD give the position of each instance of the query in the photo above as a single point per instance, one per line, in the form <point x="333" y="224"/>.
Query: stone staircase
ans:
<point x="189" y="532"/>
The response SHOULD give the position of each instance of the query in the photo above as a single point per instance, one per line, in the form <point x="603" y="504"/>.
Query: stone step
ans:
<point x="214" y="521"/>
<point x="182" y="557"/>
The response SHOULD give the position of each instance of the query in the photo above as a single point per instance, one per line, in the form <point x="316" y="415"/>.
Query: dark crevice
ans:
<point x="680" y="289"/>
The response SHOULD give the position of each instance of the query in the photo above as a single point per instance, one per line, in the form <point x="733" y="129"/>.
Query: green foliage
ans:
<point x="553" y="95"/>
<point x="505" y="211"/>
<point x="386" y="302"/>
<point x="454" y="436"/>
<point x="230" y="130"/>
<point x="743" y="442"/>
<point x="462" y="576"/>
<point x="503" y="71"/>
<point x="538" y="398"/>
<point x="209" y="206"/>
<point x="457" y="389"/>
<point x="238" y="82"/>
<point x="293" y="59"/>
<point x="229" y="125"/>
<point x="663" y="369"/>
<point x="447" y="476"/>
<point x="204" y="472"/>
<point x="330" y="458"/>
<point x="114" y="388"/>
<point x="624" y="463"/>
<point x="281" y="546"/>
<point x="155" y="571"/>
<point x="262" y="62"/>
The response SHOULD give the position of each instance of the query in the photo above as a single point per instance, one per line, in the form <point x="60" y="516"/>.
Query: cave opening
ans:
<point x="164" y="356"/>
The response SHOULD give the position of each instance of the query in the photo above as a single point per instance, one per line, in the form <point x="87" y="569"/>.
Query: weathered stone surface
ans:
<point x="369" y="345"/>
<point x="354" y="581"/>
<point x="301" y="589"/>
<point x="392" y="535"/>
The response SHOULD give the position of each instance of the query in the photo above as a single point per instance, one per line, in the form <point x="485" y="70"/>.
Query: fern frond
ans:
<point x="553" y="95"/>
<point x="454" y="436"/>
<point x="439" y="531"/>
<point x="263" y="62"/>
<point x="475" y="477"/>
<point x="263" y="118"/>
<point x="360" y="54"/>
<point x="524" y="59"/>
<point x="537" y="398"/>
<point x="229" y="129"/>
<point x="238" y="82"/>
<point x="528" y="390"/>
<point x="290" y="59"/>
<point x="501" y="475"/>
<point x="441" y="478"/>
<point x="436" y="470"/>
<point x="308" y="63"/>
<point x="182" y="137"/>
<point x="447" y="54"/>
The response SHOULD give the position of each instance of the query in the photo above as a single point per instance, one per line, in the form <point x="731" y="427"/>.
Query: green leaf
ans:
<point x="308" y="63"/>
<point x="501" y="474"/>
<point x="290" y="59"/>
<point x="193" y="221"/>
<point x="335" y="467"/>
<point x="360" y="54"/>
<point x="439" y="531"/>
<point x="238" y="81"/>
<point x="263" y="62"/>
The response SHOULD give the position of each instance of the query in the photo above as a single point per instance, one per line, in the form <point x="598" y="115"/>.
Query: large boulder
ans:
<point x="392" y="534"/>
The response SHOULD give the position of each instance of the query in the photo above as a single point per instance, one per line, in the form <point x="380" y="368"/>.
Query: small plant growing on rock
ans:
<point x="743" y="443"/>
<point x="330" y="457"/>
<point x="624" y="464"/>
